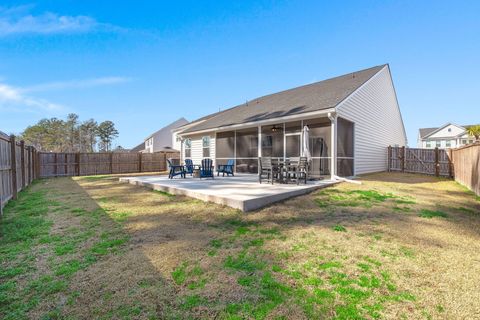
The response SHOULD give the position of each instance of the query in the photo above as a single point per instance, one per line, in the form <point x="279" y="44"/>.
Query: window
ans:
<point x="206" y="146"/>
<point x="464" y="141"/>
<point x="429" y="144"/>
<point x="188" y="148"/>
<point x="449" y="129"/>
<point x="438" y="143"/>
<point x="448" y="144"/>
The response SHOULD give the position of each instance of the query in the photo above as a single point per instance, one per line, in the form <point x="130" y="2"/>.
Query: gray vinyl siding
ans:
<point x="378" y="122"/>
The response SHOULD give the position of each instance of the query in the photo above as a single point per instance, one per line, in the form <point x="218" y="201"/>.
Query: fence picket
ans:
<point x="415" y="160"/>
<point x="81" y="164"/>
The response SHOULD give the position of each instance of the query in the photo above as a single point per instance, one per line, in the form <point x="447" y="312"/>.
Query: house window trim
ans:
<point x="206" y="148"/>
<point x="188" y="147"/>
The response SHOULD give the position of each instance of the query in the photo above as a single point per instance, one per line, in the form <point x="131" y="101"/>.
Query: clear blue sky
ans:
<point x="143" y="64"/>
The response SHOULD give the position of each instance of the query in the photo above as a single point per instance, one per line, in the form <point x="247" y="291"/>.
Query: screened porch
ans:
<point x="285" y="139"/>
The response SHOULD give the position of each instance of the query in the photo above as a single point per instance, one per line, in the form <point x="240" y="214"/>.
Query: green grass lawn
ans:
<point x="395" y="247"/>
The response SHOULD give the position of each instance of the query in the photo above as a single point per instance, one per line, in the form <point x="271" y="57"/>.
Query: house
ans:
<point x="163" y="139"/>
<point x="351" y="120"/>
<point x="447" y="136"/>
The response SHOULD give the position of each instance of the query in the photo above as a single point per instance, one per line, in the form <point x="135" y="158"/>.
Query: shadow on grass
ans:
<point x="74" y="260"/>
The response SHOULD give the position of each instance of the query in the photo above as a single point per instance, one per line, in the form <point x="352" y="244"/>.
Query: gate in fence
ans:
<point x="427" y="161"/>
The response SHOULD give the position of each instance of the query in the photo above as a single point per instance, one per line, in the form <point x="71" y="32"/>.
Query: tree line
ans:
<point x="70" y="135"/>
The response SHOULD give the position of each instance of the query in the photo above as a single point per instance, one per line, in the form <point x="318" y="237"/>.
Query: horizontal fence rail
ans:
<point x="85" y="164"/>
<point x="435" y="162"/>
<point x="17" y="168"/>
<point x="467" y="166"/>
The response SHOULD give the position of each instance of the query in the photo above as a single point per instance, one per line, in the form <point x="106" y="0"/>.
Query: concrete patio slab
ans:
<point x="241" y="191"/>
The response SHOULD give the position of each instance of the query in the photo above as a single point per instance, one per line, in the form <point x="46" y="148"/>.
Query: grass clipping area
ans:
<point x="398" y="246"/>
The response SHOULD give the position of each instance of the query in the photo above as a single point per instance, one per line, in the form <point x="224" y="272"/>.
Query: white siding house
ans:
<point x="378" y="122"/>
<point x="351" y="119"/>
<point x="165" y="138"/>
<point x="447" y="136"/>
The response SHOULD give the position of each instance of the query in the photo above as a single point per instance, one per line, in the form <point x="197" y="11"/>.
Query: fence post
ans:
<point x="111" y="162"/>
<point x="30" y="179"/>
<point x="450" y="163"/>
<point x="37" y="163"/>
<point x="66" y="164"/>
<point x="77" y="164"/>
<point x="22" y="162"/>
<point x="34" y="163"/>
<point x="55" y="166"/>
<point x="389" y="158"/>
<point x="13" y="164"/>
<point x="437" y="164"/>
<point x="403" y="158"/>
<point x="139" y="162"/>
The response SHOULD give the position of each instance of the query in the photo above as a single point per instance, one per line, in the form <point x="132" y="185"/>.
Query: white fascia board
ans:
<point x="300" y="116"/>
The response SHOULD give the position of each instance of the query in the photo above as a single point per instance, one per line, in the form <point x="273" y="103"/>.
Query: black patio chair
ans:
<point x="297" y="169"/>
<point x="226" y="168"/>
<point x="175" y="169"/>
<point x="266" y="170"/>
<point x="206" y="170"/>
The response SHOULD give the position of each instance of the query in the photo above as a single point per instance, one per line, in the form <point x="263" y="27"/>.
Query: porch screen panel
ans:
<point x="293" y="127"/>
<point x="247" y="150"/>
<point x="345" y="151"/>
<point x="272" y="141"/>
<point x="225" y="146"/>
<point x="319" y="144"/>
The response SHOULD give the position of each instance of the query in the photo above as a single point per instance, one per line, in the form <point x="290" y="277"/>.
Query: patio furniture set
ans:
<point x="270" y="169"/>
<point x="205" y="170"/>
<point x="283" y="170"/>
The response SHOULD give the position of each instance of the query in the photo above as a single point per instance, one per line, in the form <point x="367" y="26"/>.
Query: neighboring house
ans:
<point x="351" y="120"/>
<point x="164" y="139"/>
<point x="447" y="136"/>
<point x="138" y="148"/>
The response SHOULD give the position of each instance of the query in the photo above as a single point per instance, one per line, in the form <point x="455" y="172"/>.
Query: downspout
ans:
<point x="333" y="142"/>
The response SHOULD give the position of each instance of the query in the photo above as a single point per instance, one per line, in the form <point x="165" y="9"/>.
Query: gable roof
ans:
<point x="138" y="148"/>
<point x="167" y="130"/>
<point x="426" y="132"/>
<point x="316" y="96"/>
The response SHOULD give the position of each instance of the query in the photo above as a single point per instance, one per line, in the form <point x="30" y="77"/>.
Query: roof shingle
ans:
<point x="321" y="95"/>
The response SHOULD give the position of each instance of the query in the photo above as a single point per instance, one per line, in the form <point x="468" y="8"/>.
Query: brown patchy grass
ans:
<point x="397" y="246"/>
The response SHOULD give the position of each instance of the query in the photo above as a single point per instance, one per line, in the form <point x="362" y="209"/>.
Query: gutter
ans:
<point x="262" y="122"/>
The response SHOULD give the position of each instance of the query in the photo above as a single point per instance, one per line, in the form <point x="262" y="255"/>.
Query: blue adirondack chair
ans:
<point x="189" y="166"/>
<point x="226" y="168"/>
<point x="175" y="170"/>
<point x="206" y="170"/>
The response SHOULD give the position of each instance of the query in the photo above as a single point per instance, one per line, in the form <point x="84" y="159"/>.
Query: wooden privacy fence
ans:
<point x="427" y="161"/>
<point x="83" y="164"/>
<point x="17" y="167"/>
<point x="467" y="166"/>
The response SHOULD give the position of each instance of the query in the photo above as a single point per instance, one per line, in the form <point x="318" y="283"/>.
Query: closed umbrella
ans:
<point x="305" y="146"/>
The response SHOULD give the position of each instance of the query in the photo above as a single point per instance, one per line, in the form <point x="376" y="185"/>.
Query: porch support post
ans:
<point x="259" y="141"/>
<point x="259" y="146"/>
<point x="333" y="148"/>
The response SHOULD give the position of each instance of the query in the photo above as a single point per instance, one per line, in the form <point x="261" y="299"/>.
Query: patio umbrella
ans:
<point x="305" y="146"/>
